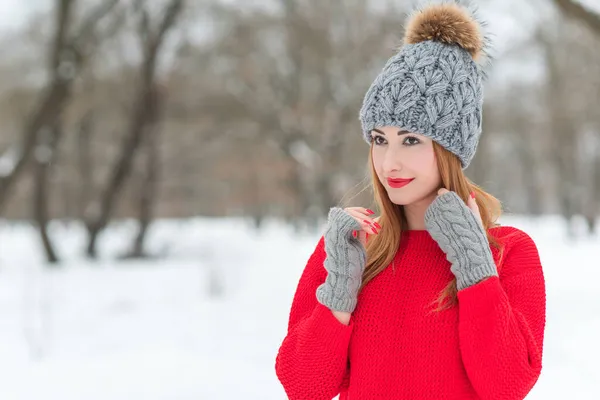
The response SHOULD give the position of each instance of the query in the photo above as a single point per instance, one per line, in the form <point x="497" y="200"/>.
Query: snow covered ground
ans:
<point x="160" y="330"/>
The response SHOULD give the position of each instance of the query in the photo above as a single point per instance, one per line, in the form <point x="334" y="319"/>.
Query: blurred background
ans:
<point x="166" y="167"/>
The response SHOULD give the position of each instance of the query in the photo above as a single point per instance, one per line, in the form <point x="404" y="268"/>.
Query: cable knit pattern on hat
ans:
<point x="396" y="347"/>
<point x="433" y="85"/>
<point x="429" y="88"/>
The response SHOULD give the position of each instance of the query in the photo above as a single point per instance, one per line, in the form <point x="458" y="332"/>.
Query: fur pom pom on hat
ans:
<point x="434" y="84"/>
<point x="446" y="23"/>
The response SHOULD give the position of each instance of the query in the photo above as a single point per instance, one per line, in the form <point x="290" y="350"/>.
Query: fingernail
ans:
<point x="472" y="194"/>
<point x="370" y="212"/>
<point x="377" y="225"/>
<point x="354" y="233"/>
<point x="367" y="222"/>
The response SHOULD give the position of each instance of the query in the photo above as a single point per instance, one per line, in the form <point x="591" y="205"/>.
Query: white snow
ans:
<point x="152" y="330"/>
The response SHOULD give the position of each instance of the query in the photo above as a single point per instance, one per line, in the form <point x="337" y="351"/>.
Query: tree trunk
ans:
<point x="591" y="210"/>
<point x="44" y="158"/>
<point x="120" y="172"/>
<point x="152" y="42"/>
<point x="65" y="61"/>
<point x="85" y="164"/>
<point x="50" y="105"/>
<point x="563" y="132"/>
<point x="148" y="189"/>
<point x="573" y="9"/>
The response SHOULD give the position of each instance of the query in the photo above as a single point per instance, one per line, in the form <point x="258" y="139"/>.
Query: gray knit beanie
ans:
<point x="433" y="86"/>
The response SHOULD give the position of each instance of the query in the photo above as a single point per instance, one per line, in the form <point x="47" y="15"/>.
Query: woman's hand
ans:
<point x="346" y="258"/>
<point x="368" y="224"/>
<point x="471" y="203"/>
<point x="458" y="230"/>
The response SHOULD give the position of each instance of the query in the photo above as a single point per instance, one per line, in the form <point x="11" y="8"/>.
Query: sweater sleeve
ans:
<point x="312" y="361"/>
<point x="501" y="325"/>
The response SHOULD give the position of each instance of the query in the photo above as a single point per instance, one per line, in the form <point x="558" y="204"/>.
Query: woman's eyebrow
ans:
<point x="383" y="133"/>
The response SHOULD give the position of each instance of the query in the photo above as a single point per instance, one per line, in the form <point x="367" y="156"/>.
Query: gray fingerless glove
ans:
<point x="345" y="262"/>
<point x="455" y="228"/>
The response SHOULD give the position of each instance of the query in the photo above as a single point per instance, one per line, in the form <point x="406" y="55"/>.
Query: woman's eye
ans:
<point x="411" y="141"/>
<point x="378" y="140"/>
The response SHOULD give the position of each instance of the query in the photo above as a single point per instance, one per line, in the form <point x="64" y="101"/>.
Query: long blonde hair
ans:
<point x="382" y="248"/>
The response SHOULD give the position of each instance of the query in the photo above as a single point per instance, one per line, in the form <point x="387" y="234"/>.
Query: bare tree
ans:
<point x="302" y="95"/>
<point x="262" y="117"/>
<point x="85" y="162"/>
<point x="67" y="55"/>
<point x="574" y="9"/>
<point x="563" y="132"/>
<point x="152" y="39"/>
<point x="43" y="129"/>
<point x="572" y="81"/>
<point x="45" y="155"/>
<point x="149" y="184"/>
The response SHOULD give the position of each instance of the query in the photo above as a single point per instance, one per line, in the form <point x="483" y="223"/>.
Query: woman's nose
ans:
<point x="391" y="161"/>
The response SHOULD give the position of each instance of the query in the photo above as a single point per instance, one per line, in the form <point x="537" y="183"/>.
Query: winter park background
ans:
<point x="157" y="209"/>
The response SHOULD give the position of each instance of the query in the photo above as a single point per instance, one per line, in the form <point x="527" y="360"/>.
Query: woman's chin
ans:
<point x="400" y="199"/>
<point x="405" y="198"/>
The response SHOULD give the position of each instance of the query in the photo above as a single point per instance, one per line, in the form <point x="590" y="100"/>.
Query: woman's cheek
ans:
<point x="421" y="159"/>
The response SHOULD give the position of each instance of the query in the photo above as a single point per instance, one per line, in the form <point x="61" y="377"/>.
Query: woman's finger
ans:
<point x="361" y="210"/>
<point x="472" y="204"/>
<point x="362" y="236"/>
<point x="357" y="213"/>
<point x="367" y="226"/>
<point x="367" y="223"/>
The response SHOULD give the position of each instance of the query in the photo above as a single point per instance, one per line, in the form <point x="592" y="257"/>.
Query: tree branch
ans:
<point x="170" y="15"/>
<point x="63" y="15"/>
<point x="154" y="37"/>
<point x="91" y="20"/>
<point x="139" y="7"/>
<point x="575" y="10"/>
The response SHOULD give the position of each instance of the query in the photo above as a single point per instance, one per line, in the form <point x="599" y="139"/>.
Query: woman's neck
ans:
<point x="415" y="212"/>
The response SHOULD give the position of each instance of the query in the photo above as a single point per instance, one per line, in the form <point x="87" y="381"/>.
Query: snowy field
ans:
<point x="205" y="319"/>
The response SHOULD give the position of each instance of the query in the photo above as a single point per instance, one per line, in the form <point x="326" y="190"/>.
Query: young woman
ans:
<point x="432" y="299"/>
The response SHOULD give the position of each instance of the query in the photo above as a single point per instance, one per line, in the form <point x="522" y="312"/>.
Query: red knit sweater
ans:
<point x="487" y="347"/>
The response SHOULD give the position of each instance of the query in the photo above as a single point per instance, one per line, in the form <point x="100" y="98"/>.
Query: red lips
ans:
<point x="398" y="182"/>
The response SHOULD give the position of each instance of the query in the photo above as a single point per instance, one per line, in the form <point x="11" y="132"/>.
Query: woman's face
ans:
<point x="405" y="156"/>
